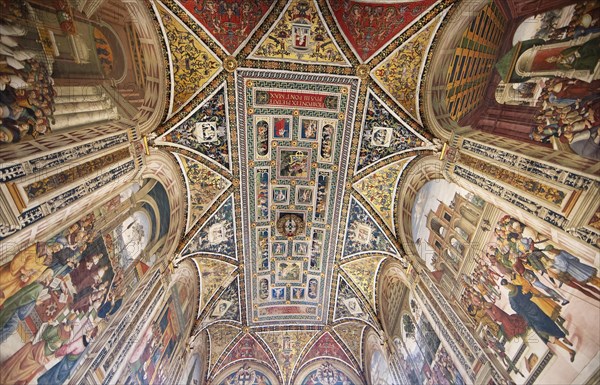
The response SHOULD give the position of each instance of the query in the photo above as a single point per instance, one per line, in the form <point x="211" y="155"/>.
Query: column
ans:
<point x="62" y="122"/>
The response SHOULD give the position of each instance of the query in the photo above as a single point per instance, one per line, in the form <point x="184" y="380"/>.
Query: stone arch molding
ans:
<point x="314" y="368"/>
<point x="378" y="368"/>
<point x="392" y="280"/>
<point x="162" y="167"/>
<point x="248" y="368"/>
<point x="422" y="170"/>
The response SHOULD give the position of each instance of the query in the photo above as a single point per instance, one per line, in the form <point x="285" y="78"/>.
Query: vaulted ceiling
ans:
<point x="292" y="123"/>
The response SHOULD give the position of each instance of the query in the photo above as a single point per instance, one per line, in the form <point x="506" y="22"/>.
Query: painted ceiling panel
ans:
<point x="217" y="236"/>
<point x="287" y="346"/>
<point x="384" y="134"/>
<point x="363" y="272"/>
<point x="247" y="348"/>
<point x="205" y="131"/>
<point x="230" y="22"/>
<point x="204" y="186"/>
<point x="351" y="334"/>
<point x="363" y="234"/>
<point x="294" y="136"/>
<point x="227" y="307"/>
<point x="326" y="346"/>
<point x="193" y="64"/>
<point x="379" y="190"/>
<point x="348" y="305"/>
<point x="400" y="73"/>
<point x="300" y="35"/>
<point x="220" y="337"/>
<point x="292" y="150"/>
<point x="368" y="27"/>
<point x="213" y="275"/>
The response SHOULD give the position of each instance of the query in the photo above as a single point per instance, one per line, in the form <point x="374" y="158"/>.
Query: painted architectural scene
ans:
<point x="528" y="298"/>
<point x="299" y="192"/>
<point x="546" y="77"/>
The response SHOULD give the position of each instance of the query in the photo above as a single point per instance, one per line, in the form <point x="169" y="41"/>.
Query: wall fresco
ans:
<point x="59" y="293"/>
<point x="246" y="375"/>
<point x="514" y="284"/>
<point x="380" y="370"/>
<point x="553" y="82"/>
<point x="151" y="357"/>
<point x="418" y="352"/>
<point x="327" y="374"/>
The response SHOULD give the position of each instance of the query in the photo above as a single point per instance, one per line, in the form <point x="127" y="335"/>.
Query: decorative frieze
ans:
<point x="54" y="159"/>
<point x="531" y="166"/>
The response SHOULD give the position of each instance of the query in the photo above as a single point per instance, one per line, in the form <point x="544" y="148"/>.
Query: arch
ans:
<point x="117" y="70"/>
<point x="163" y="167"/>
<point x="377" y="361"/>
<point x="438" y="228"/>
<point x="248" y="368"/>
<point x="457" y="245"/>
<point x="422" y="170"/>
<point x="321" y="368"/>
<point x="185" y="284"/>
<point x="164" y="336"/>
<point x="84" y="88"/>
<point x="452" y="257"/>
<point x="462" y="233"/>
<point x="391" y="287"/>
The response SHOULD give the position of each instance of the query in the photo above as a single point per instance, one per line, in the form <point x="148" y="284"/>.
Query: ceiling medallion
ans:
<point x="230" y="64"/>
<point x="362" y="71"/>
<point x="290" y="224"/>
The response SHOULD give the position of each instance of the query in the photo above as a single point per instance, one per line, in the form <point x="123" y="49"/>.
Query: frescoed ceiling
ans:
<point x="292" y="126"/>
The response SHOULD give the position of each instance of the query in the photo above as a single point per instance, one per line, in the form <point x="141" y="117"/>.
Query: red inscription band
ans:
<point x="293" y="99"/>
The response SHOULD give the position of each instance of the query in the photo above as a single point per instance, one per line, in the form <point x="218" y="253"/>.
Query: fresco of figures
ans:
<point x="57" y="295"/>
<point x="418" y="351"/>
<point x="30" y="104"/>
<point x="26" y="87"/>
<point x="531" y="301"/>
<point x="557" y="73"/>
<point x="149" y="362"/>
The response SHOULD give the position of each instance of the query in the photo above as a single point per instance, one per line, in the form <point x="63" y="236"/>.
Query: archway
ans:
<point x="248" y="372"/>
